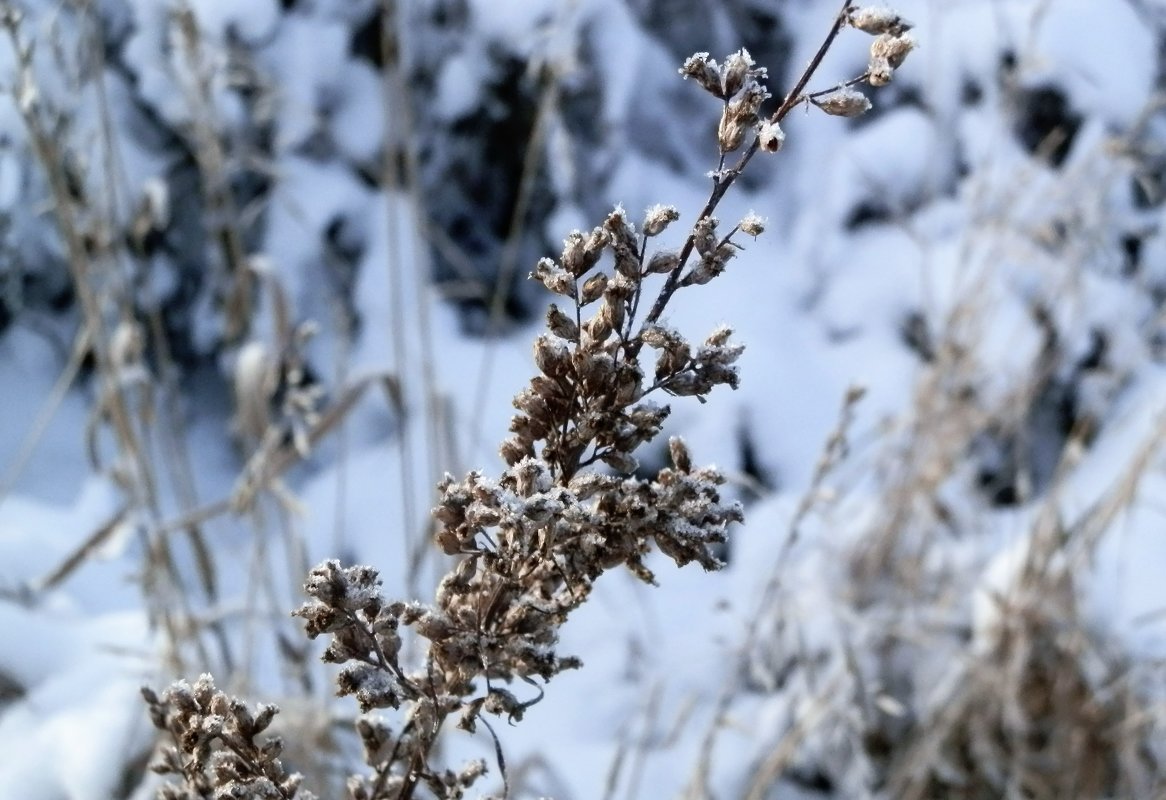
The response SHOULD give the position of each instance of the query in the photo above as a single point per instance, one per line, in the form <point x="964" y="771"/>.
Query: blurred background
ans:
<point x="263" y="281"/>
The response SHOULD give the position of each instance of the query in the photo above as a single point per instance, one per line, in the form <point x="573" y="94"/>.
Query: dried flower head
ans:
<point x="752" y="225"/>
<point x="739" y="115"/>
<point x="738" y="68"/>
<point x="844" y="102"/>
<point x="215" y="749"/>
<point x="704" y="70"/>
<point x="658" y="217"/>
<point x="731" y="131"/>
<point x="892" y="48"/>
<point x="662" y="261"/>
<point x="875" y="21"/>
<point x="879" y="72"/>
<point x="771" y="137"/>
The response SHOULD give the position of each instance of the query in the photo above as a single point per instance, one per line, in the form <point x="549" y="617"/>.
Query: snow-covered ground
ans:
<point x="984" y="254"/>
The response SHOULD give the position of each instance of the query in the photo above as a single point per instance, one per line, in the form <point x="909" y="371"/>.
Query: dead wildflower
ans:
<point x="771" y="137"/>
<point x="731" y="132"/>
<point x="892" y="48"/>
<point x="844" y="102"/>
<point x="887" y="53"/>
<point x="215" y="748"/>
<point x="875" y="21"/>
<point x="662" y="261"/>
<point x="530" y="544"/>
<point x="658" y="218"/>
<point x="704" y="71"/>
<point x="752" y="225"/>
<point x="880" y="72"/>
<point x="739" y="67"/>
<point x="740" y="115"/>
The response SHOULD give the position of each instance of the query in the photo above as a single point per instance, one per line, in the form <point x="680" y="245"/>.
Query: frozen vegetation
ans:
<point x="263" y="283"/>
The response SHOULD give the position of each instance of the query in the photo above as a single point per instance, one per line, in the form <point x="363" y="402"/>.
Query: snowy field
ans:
<point x="947" y="436"/>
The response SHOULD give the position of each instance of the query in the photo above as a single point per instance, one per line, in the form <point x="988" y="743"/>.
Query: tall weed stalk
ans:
<point x="529" y="544"/>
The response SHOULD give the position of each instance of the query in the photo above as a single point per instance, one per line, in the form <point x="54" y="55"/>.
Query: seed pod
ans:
<point x="562" y="325"/>
<point x="726" y="251"/>
<point x="771" y="137"/>
<point x="892" y="48"/>
<point x="709" y="267"/>
<point x="658" y="217"/>
<point x="735" y="71"/>
<point x="554" y="277"/>
<point x="627" y="261"/>
<point x="731" y="131"/>
<point x="481" y="515"/>
<point x="875" y="21"/>
<point x="528" y="429"/>
<point x="531" y="477"/>
<point x="747" y="104"/>
<point x="752" y="225"/>
<point x="596" y="241"/>
<point x="622" y="288"/>
<point x="540" y="509"/>
<point x="434" y="626"/>
<point x="551" y="356"/>
<point x="844" y="103"/>
<point x="613" y="309"/>
<point x="658" y="337"/>
<point x="549" y="390"/>
<point x="448" y="540"/>
<point x="628" y="385"/>
<point x="704" y="71"/>
<point x="581" y="253"/>
<point x="662" y="261"/>
<point x="704" y="235"/>
<point x="672" y="360"/>
<point x="586" y="485"/>
<point x="879" y="72"/>
<point x="622" y="238"/>
<point x="648" y="417"/>
<point x="530" y="402"/>
<point x="588" y="425"/>
<point x="595" y="369"/>
<point x="575" y="253"/>
<point x="593" y="289"/>
<point x="599" y="327"/>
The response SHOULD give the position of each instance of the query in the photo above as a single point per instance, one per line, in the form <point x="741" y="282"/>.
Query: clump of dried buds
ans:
<point x="216" y="751"/>
<point x="530" y="544"/>
<point x="891" y="45"/>
<point x="738" y="83"/>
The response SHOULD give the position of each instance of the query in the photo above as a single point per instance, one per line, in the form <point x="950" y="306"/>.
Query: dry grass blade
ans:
<point x="81" y="346"/>
<point x="82" y="553"/>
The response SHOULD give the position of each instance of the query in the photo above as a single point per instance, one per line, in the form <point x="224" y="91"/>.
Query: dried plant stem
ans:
<point x="39" y="426"/>
<point x="724" y="179"/>
<point x="529" y="546"/>
<point x="208" y="152"/>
